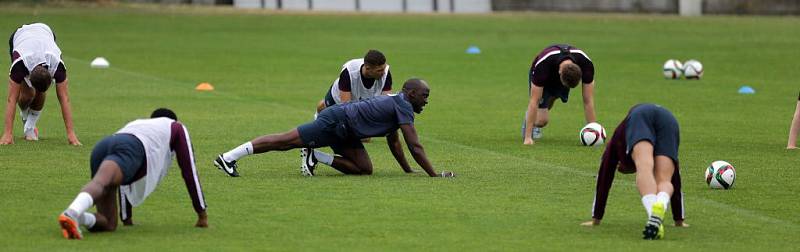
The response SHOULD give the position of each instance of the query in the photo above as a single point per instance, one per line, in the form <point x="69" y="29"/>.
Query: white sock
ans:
<point x="238" y="152"/>
<point x="87" y="219"/>
<point x="663" y="198"/>
<point x="81" y="203"/>
<point x="323" y="157"/>
<point x="647" y="201"/>
<point x="30" y="123"/>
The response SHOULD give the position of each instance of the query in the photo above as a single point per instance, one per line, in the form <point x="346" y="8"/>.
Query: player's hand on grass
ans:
<point x="6" y="139"/>
<point x="447" y="174"/>
<point x="593" y="222"/>
<point x="791" y="147"/>
<point x="528" y="141"/>
<point x="202" y="220"/>
<point x="681" y="224"/>
<point x="73" y="140"/>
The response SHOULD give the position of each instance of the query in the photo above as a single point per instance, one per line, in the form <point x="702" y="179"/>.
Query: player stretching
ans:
<point x="556" y="70"/>
<point x="341" y="127"/>
<point x="645" y="142"/>
<point x="133" y="160"/>
<point x="35" y="64"/>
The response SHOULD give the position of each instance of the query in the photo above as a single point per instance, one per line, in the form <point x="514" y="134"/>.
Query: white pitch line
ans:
<point x="740" y="211"/>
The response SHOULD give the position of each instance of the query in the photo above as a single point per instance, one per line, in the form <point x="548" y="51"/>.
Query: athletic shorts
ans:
<point x="329" y="129"/>
<point x="650" y="122"/>
<point x="549" y="96"/>
<point x="329" y="101"/>
<point x="124" y="149"/>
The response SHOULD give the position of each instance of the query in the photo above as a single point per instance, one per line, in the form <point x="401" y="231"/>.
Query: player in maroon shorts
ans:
<point x="645" y="142"/>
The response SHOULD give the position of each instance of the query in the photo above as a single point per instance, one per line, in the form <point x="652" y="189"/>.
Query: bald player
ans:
<point x="35" y="64"/>
<point x="341" y="127"/>
<point x="556" y="70"/>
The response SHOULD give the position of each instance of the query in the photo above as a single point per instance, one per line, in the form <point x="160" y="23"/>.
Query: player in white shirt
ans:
<point x="131" y="163"/>
<point x="35" y="64"/>
<point x="359" y="79"/>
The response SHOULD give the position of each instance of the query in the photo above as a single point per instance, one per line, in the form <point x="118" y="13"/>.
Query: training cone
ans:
<point x="205" y="86"/>
<point x="473" y="50"/>
<point x="99" y="62"/>
<point x="746" y="90"/>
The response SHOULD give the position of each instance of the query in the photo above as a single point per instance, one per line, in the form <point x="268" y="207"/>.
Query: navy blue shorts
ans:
<point x="329" y="129"/>
<point x="549" y="96"/>
<point x="653" y="123"/>
<point x="124" y="149"/>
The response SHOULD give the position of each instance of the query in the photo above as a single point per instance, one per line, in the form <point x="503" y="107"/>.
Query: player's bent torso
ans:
<point x="378" y="116"/>
<point x="36" y="45"/>
<point x="358" y="91"/>
<point x="155" y="135"/>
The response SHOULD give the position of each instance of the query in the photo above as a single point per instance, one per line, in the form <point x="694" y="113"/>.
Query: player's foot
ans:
<point x="69" y="227"/>
<point x="32" y="134"/>
<point x="308" y="161"/>
<point x="227" y="167"/>
<point x="654" y="229"/>
<point x="537" y="133"/>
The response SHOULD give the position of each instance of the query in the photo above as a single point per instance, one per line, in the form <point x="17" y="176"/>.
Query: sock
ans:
<point x="323" y="157"/>
<point x="87" y="219"/>
<point x="30" y="123"/>
<point x="647" y="201"/>
<point x="663" y="198"/>
<point x="81" y="203"/>
<point x="238" y="152"/>
<point x="23" y="115"/>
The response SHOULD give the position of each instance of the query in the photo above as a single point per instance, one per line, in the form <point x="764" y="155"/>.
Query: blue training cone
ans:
<point x="746" y="90"/>
<point x="473" y="50"/>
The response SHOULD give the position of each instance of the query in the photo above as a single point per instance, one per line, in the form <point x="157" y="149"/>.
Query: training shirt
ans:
<point x="378" y="116"/>
<point x="360" y="87"/>
<point x="33" y="45"/>
<point x="162" y="138"/>
<point x="615" y="157"/>
<point x="544" y="68"/>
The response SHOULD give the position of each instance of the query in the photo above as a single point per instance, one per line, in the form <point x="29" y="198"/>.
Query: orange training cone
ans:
<point x="205" y="86"/>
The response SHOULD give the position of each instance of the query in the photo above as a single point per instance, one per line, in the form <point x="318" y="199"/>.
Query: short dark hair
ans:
<point x="571" y="75"/>
<point x="164" y="112"/>
<point x="374" y="58"/>
<point x="40" y="78"/>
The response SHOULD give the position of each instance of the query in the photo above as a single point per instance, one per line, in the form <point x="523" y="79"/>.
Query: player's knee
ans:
<point x="366" y="170"/>
<point x="541" y="122"/>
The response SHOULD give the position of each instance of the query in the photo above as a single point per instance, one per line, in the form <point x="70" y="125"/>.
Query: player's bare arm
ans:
<point x="346" y="96"/>
<point x="13" y="95"/>
<point x="66" y="112"/>
<point x="588" y="102"/>
<point x="418" y="152"/>
<point x="533" y="111"/>
<point x="393" y="140"/>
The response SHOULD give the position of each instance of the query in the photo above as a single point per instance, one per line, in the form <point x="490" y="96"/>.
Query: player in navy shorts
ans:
<point x="341" y="127"/>
<point x="645" y="142"/>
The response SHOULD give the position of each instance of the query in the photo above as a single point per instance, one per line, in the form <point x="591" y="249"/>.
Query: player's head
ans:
<point x="417" y="92"/>
<point x="570" y="74"/>
<point x="374" y="64"/>
<point x="40" y="78"/>
<point x="164" y="112"/>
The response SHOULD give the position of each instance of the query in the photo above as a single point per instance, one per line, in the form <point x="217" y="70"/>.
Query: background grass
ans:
<point x="269" y="70"/>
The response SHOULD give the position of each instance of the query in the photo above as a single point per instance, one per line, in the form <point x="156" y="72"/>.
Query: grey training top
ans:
<point x="378" y="116"/>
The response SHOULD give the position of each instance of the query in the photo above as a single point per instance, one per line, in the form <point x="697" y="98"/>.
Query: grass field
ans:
<point x="270" y="69"/>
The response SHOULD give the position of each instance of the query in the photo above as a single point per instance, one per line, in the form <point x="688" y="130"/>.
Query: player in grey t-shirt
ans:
<point x="341" y="127"/>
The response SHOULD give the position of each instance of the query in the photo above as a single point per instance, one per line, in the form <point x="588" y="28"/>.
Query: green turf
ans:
<point x="269" y="71"/>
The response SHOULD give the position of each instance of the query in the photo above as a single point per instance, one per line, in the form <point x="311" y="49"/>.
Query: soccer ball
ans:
<point x="720" y="175"/>
<point x="693" y="69"/>
<point x="593" y="134"/>
<point x="673" y="69"/>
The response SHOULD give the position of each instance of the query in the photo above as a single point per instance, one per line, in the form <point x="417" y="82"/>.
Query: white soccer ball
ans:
<point x="720" y="175"/>
<point x="593" y="134"/>
<point x="693" y="69"/>
<point x="673" y="69"/>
